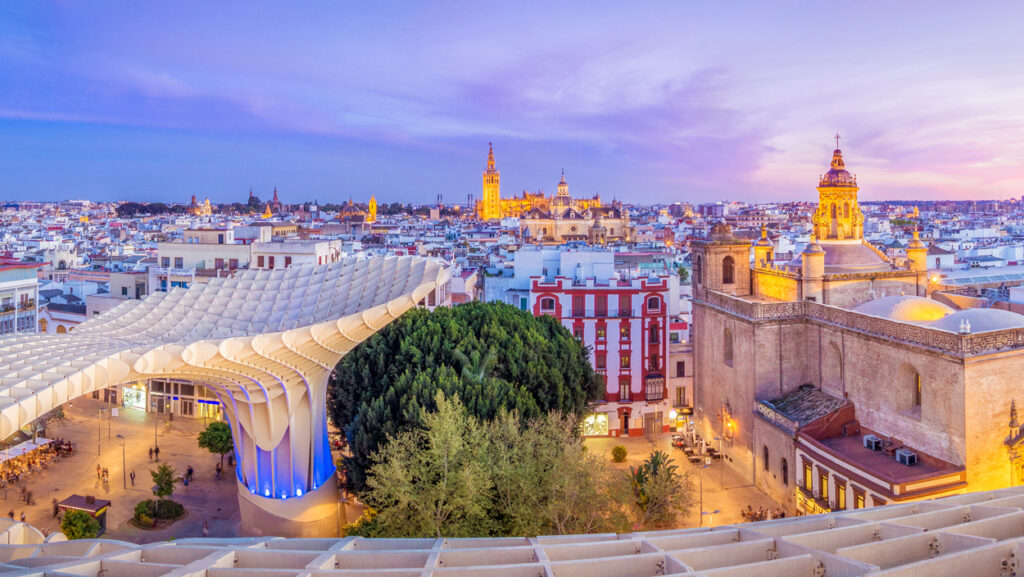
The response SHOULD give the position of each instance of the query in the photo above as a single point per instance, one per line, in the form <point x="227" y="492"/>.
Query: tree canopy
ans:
<point x="217" y="439"/>
<point x="461" y="477"/>
<point x="493" y="356"/>
<point x="164" y="481"/>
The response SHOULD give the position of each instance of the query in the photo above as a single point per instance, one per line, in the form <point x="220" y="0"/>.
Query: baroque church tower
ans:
<point x="492" y="188"/>
<point x="838" y="216"/>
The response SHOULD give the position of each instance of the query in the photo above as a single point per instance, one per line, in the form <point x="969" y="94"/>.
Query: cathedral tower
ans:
<point x="838" y="216"/>
<point x="371" y="215"/>
<point x="492" y="188"/>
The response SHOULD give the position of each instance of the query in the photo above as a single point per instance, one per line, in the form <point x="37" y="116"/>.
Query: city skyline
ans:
<point x="669" y="103"/>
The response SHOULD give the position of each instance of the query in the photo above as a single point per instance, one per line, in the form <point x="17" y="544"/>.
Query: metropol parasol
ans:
<point x="265" y="341"/>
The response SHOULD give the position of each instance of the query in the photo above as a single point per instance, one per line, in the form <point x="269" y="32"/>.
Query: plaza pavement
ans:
<point x="205" y="499"/>
<point x="724" y="490"/>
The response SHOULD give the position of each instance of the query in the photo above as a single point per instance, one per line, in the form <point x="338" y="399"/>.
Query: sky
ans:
<point x="650" y="102"/>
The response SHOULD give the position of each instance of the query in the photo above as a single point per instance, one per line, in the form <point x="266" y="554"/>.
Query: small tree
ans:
<point x="659" y="491"/>
<point x="684" y="274"/>
<point x="164" y="481"/>
<point x="79" y="525"/>
<point x="217" y="439"/>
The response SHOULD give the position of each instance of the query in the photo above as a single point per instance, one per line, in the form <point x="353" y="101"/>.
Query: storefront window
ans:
<point x="595" y="425"/>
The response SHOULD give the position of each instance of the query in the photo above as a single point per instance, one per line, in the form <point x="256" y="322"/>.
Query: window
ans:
<point x="680" y="368"/>
<point x="858" y="498"/>
<point x="600" y="360"/>
<point x="233" y="264"/>
<point x="785" y="472"/>
<point x="654" y="388"/>
<point x="654" y="364"/>
<point x="124" y="291"/>
<point x="270" y="262"/>
<point x="624" y="384"/>
<point x="680" y="396"/>
<point x="218" y="263"/>
<point x="624" y="360"/>
<point x="178" y="262"/>
<point x="764" y="457"/>
<point x="727" y="347"/>
<point x="823" y="484"/>
<point x="808" y="476"/>
<point x="655" y="332"/>
<point x="578" y="306"/>
<point x="624" y="331"/>
<point x="547" y="304"/>
<point x="259" y="261"/>
<point x="220" y="239"/>
<point x="625" y="306"/>
<point x="601" y="332"/>
<point x="165" y="262"/>
<point x="697" y="271"/>
<point x="577" y="331"/>
<point x="728" y="270"/>
<point x="840" y="495"/>
<point x="287" y="261"/>
<point x="601" y="305"/>
<point x="653" y="304"/>
<point x="917" y="389"/>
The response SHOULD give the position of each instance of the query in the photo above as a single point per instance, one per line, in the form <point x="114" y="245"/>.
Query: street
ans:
<point x="205" y="499"/>
<point x="725" y="490"/>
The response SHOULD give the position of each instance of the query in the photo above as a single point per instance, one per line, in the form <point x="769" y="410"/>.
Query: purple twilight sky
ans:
<point x="652" y="102"/>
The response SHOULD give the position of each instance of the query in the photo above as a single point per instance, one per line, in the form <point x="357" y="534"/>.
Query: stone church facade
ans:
<point x="832" y="381"/>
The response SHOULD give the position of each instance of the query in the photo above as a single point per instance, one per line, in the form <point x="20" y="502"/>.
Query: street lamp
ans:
<point x="707" y="462"/>
<point x="99" y="433"/>
<point x="721" y="467"/>
<point x="124" y="465"/>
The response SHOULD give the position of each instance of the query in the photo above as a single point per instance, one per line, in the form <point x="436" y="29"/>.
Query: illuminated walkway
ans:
<point x="978" y="534"/>
<point x="265" y="341"/>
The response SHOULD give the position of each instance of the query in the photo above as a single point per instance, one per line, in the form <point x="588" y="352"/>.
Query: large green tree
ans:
<point x="458" y="476"/>
<point x="660" y="492"/>
<point x="493" y="356"/>
<point x="78" y="524"/>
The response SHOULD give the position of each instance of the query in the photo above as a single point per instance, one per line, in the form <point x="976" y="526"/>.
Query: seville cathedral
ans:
<point x="553" y="219"/>
<point x="839" y="380"/>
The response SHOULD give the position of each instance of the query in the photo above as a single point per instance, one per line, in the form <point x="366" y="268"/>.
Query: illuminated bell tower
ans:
<point x="371" y="215"/>
<point x="838" y="216"/>
<point x="492" y="188"/>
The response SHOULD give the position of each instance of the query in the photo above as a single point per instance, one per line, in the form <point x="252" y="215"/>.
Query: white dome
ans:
<point x="981" y="320"/>
<point x="905" y="308"/>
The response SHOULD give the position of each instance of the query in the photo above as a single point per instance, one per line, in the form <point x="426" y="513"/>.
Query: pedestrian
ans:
<point x="28" y="498"/>
<point x="220" y="471"/>
<point x="22" y="516"/>
<point x="189" y="473"/>
<point x="156" y="454"/>
<point x="11" y="513"/>
<point x="24" y="491"/>
<point x="99" y="472"/>
<point x="56" y="509"/>
<point x="206" y="529"/>
<point x="151" y="453"/>
<point x="132" y="477"/>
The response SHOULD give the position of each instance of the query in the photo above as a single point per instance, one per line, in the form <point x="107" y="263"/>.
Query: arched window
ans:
<point x="917" y="389"/>
<point x="653" y="304"/>
<point x="61" y="265"/>
<point x="655" y="336"/>
<point x="728" y="270"/>
<point x="547" y="304"/>
<point x="697" y="271"/>
<point x="61" y="329"/>
<point x="727" y="347"/>
<point x="912" y="391"/>
<point x="42" y="325"/>
<point x="764" y="457"/>
<point x="785" y="472"/>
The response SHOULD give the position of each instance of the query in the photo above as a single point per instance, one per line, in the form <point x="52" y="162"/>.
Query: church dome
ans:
<point x="720" y="231"/>
<point x="979" y="321"/>
<point x="906" y="308"/>
<point x="837" y="174"/>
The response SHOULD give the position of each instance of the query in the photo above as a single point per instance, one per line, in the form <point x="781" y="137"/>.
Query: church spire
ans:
<point x="490" y="157"/>
<point x="1014" y="423"/>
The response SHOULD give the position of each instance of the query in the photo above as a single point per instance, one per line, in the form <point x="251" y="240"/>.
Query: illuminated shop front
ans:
<point x="134" y="396"/>
<point x="595" y="425"/>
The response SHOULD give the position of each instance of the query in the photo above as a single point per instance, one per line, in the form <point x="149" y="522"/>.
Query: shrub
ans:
<point x="618" y="453"/>
<point x="144" y="521"/>
<point x="79" y="525"/>
<point x="166" y="509"/>
<point x="143" y="508"/>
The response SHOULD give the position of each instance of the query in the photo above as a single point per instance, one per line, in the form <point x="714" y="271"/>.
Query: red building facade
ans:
<point x="625" y="325"/>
